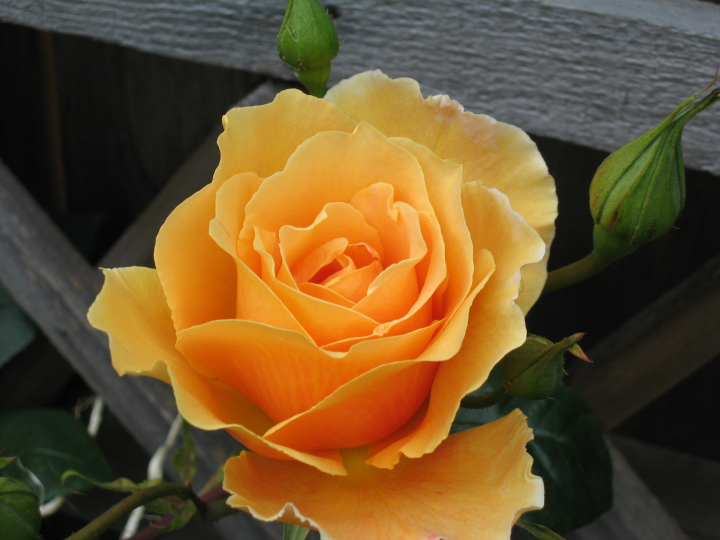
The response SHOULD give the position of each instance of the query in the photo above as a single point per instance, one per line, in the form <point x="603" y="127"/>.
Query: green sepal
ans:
<point x="294" y="532"/>
<point x="19" y="510"/>
<point x="5" y="461"/>
<point x="184" y="457"/>
<point x="538" y="531"/>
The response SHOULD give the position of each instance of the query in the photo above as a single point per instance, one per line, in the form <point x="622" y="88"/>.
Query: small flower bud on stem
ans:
<point x="637" y="193"/>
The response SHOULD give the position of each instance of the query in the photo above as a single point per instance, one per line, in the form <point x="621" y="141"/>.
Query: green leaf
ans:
<point x="569" y="453"/>
<point x="120" y="484"/>
<point x="184" y="457"/>
<point x="19" y="510"/>
<point x="294" y="532"/>
<point x="16" y="330"/>
<point x="538" y="531"/>
<point x="5" y="461"/>
<point x="48" y="442"/>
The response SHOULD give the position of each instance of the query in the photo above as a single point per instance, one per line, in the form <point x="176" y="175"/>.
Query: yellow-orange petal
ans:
<point x="132" y="310"/>
<point x="495" y="324"/>
<point x="261" y="139"/>
<point x="255" y="301"/>
<point x="197" y="275"/>
<point x="474" y="486"/>
<point x="335" y="220"/>
<point x="331" y="167"/>
<point x="324" y="321"/>
<point x="366" y="409"/>
<point x="354" y="285"/>
<point x="501" y="155"/>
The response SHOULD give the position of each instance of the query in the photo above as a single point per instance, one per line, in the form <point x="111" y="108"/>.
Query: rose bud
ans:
<point x="308" y="42"/>
<point x="639" y="191"/>
<point x="533" y="370"/>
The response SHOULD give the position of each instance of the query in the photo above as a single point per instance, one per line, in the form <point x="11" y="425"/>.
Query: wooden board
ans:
<point x="654" y="350"/>
<point x="636" y="513"/>
<point x="598" y="73"/>
<point x="688" y="486"/>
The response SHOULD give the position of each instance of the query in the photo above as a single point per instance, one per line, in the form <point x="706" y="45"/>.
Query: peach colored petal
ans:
<point x="501" y="155"/>
<point x="255" y="301"/>
<point x="474" y="486"/>
<point x="354" y="286"/>
<point x="337" y="219"/>
<point x="331" y="167"/>
<point x="326" y="322"/>
<point x="307" y="267"/>
<point x="495" y="324"/>
<point x="261" y="139"/>
<point x="443" y="179"/>
<point x="366" y="409"/>
<point x="322" y="292"/>
<point x="132" y="310"/>
<point x="197" y="275"/>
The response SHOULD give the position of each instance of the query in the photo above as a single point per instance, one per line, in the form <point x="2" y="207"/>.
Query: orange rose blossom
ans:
<point x="357" y="265"/>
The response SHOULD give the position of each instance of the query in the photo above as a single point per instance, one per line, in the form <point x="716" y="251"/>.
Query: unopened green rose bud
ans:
<point x="533" y="370"/>
<point x="639" y="191"/>
<point x="308" y="42"/>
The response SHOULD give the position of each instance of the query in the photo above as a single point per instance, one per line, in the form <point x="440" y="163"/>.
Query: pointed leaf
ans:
<point x="569" y="453"/>
<point x="294" y="532"/>
<point x="120" y="484"/>
<point x="5" y="461"/>
<point x="538" y="531"/>
<point x="184" y="458"/>
<point x="19" y="510"/>
<point x="48" y="442"/>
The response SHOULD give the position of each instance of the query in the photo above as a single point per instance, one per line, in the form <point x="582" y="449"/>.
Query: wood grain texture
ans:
<point x="688" y="486"/>
<point x="636" y="513"/>
<point x="654" y="350"/>
<point x="594" y="73"/>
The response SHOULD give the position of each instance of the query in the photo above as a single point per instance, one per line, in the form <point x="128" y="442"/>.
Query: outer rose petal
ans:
<point x="132" y="310"/>
<point x="501" y="155"/>
<point x="474" y="486"/>
<point x="495" y="326"/>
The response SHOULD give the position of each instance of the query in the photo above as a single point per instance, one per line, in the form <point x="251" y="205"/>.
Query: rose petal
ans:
<point x="331" y="167"/>
<point x="495" y="324"/>
<point x="255" y="301"/>
<point x="354" y="286"/>
<point x="282" y="371"/>
<point x="326" y="322"/>
<point x="501" y="155"/>
<point x="197" y="275"/>
<point x="335" y="220"/>
<point x="258" y="139"/>
<point x="132" y="310"/>
<point x="475" y="485"/>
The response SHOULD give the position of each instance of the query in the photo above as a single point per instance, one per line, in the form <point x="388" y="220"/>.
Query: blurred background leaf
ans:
<point x="16" y="330"/>
<point x="48" y="442"/>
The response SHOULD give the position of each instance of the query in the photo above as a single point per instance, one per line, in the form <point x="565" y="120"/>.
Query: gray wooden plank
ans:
<point x="636" y="513"/>
<point x="594" y="73"/>
<point x="688" y="486"/>
<point x="655" y="350"/>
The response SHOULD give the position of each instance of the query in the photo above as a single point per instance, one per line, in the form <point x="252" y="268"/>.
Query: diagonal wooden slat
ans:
<point x="654" y="350"/>
<point x="636" y="513"/>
